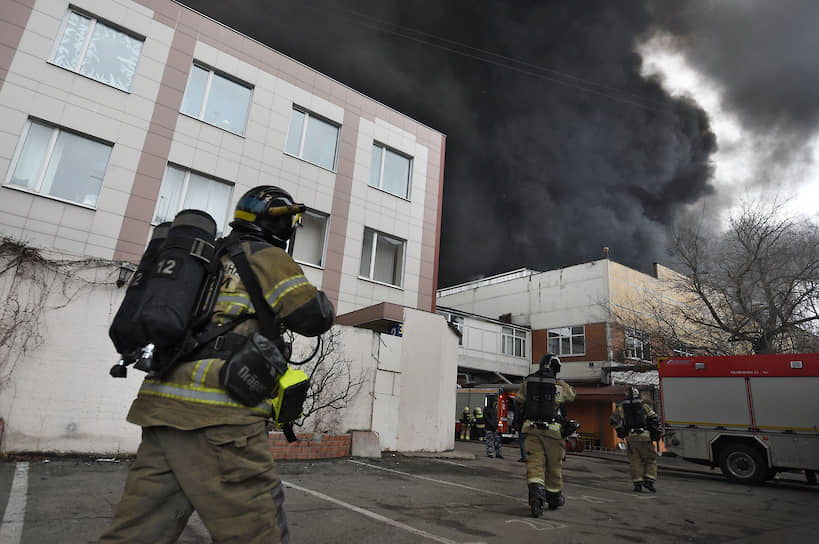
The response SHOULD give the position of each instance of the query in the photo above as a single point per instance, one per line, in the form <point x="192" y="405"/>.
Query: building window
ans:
<point x="183" y="189"/>
<point x="382" y="258"/>
<point x="638" y="345"/>
<point x="567" y="341"/>
<point x="96" y="49"/>
<point x="513" y="342"/>
<point x="311" y="239"/>
<point x="683" y="350"/>
<point x="456" y="321"/>
<point x="390" y="171"/>
<point x="58" y="163"/>
<point x="312" y="139"/>
<point x="217" y="99"/>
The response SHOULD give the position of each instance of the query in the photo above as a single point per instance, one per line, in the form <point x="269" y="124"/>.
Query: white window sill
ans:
<point x="49" y="197"/>
<point x="240" y="135"/>
<point x="126" y="91"/>
<point x="309" y="162"/>
<point x="398" y="287"/>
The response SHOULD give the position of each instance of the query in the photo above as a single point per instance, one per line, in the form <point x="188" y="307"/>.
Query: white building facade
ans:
<point x="119" y="113"/>
<point x="489" y="350"/>
<point x="575" y="312"/>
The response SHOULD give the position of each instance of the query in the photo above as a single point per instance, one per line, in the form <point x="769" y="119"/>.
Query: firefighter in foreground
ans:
<point x="201" y="449"/>
<point x="640" y="427"/>
<point x="539" y="401"/>
<point x="466" y="423"/>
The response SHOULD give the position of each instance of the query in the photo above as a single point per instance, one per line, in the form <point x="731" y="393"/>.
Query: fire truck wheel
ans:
<point x="743" y="463"/>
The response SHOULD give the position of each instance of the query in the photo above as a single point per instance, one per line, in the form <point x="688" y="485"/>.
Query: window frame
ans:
<point x="640" y="344"/>
<point x="52" y="142"/>
<point x="324" y="240"/>
<point x="410" y="160"/>
<point x="458" y="322"/>
<point x="518" y="337"/>
<point x="206" y="95"/>
<point x="81" y="57"/>
<point x="303" y="136"/>
<point x="375" y="234"/>
<point x="221" y="228"/>
<point x="559" y="337"/>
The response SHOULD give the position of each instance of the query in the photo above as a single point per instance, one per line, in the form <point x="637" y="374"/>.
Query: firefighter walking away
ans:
<point x="639" y="426"/>
<point x="539" y="401"/>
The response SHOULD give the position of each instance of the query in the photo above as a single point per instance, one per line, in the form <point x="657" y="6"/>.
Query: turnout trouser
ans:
<point x="226" y="473"/>
<point x="544" y="459"/>
<point x="643" y="460"/>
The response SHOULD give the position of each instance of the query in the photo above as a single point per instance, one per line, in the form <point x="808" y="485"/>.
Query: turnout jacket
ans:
<point x="563" y="393"/>
<point x="190" y="395"/>
<point x="618" y="419"/>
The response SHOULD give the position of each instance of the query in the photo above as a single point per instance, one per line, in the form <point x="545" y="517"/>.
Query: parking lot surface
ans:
<point x="461" y="497"/>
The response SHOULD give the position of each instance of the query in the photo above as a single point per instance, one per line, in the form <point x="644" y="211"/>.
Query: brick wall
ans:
<point x="310" y="446"/>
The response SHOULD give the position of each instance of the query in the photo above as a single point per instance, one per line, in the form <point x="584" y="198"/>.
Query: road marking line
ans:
<point x="487" y="492"/>
<point x="11" y="531"/>
<point x="373" y="515"/>
<point x="444" y="482"/>
<point x="448" y="462"/>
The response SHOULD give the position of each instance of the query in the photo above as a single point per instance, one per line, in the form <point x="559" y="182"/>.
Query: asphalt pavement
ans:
<point x="455" y="497"/>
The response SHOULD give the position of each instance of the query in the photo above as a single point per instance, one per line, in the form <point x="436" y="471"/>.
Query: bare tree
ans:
<point x="757" y="284"/>
<point x="333" y="384"/>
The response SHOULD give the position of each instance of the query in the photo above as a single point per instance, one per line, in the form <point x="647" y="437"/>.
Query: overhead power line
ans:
<point x="489" y="57"/>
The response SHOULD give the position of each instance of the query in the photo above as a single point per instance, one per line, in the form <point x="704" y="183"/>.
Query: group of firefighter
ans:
<point x="205" y="406"/>
<point x="541" y="419"/>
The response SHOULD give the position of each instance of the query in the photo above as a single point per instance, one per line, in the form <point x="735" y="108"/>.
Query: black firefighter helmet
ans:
<point x="253" y="214"/>
<point x="550" y="361"/>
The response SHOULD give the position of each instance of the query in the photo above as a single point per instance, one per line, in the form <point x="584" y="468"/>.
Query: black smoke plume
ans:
<point x="556" y="145"/>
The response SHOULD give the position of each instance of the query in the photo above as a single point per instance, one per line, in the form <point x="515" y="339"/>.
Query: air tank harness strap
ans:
<point x="221" y="347"/>
<point x="197" y="247"/>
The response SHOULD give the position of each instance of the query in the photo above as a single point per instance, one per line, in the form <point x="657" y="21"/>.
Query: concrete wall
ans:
<point x="429" y="371"/>
<point x="59" y="396"/>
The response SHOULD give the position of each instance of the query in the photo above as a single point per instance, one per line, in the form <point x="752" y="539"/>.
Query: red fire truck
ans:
<point x="752" y="416"/>
<point x="482" y="396"/>
<point x="505" y="395"/>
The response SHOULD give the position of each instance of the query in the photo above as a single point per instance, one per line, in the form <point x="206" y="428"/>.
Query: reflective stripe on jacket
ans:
<point x="191" y="396"/>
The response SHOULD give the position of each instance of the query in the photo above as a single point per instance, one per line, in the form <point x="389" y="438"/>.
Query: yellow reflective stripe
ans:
<point x="540" y="481"/>
<point x="203" y="395"/>
<point x="200" y="372"/>
<point x="553" y="489"/>
<point x="232" y="298"/>
<point x="284" y="287"/>
<point x="247" y="216"/>
<point x="234" y="303"/>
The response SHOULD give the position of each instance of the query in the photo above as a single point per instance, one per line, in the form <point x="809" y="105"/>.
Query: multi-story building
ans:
<point x="593" y="315"/>
<point x="118" y="114"/>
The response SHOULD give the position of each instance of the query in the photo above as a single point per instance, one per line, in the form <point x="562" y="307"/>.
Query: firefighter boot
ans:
<point x="555" y="500"/>
<point x="638" y="487"/>
<point x="649" y="484"/>
<point x="537" y="496"/>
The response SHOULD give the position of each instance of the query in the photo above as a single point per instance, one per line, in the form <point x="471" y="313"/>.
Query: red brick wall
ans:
<point x="596" y="344"/>
<point x="310" y="446"/>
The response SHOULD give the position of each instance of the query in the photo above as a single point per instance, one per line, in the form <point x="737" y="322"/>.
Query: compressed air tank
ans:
<point x="125" y="332"/>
